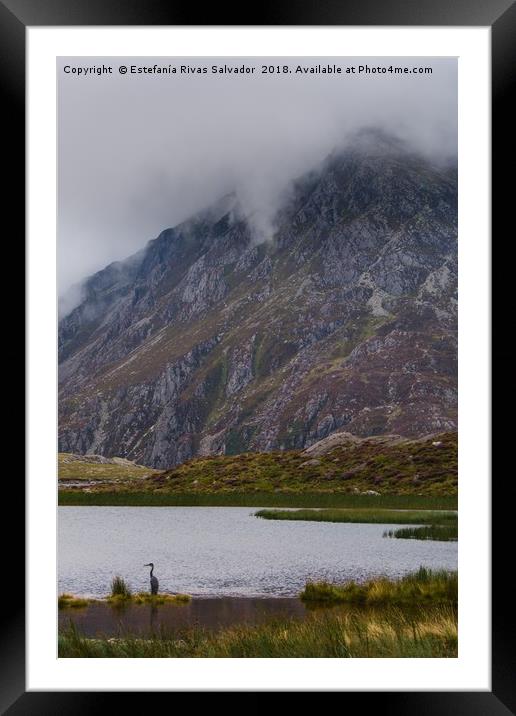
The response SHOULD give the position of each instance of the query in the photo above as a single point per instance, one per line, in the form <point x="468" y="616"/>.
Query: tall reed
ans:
<point x="120" y="589"/>
<point x="431" y="632"/>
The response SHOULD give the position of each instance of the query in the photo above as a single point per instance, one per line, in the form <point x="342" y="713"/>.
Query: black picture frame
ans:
<point x="500" y="15"/>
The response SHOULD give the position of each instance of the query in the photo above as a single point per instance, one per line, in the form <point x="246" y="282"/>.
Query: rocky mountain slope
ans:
<point x="209" y="342"/>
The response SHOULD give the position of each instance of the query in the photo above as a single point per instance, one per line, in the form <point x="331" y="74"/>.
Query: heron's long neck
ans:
<point x="151" y="570"/>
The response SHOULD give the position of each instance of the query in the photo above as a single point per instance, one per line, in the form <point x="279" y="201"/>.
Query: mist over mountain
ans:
<point x="230" y="332"/>
<point x="141" y="153"/>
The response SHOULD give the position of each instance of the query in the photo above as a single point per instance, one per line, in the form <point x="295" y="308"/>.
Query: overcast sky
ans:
<point x="138" y="153"/>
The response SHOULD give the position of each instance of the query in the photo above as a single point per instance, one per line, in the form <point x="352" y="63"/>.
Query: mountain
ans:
<point x="210" y="342"/>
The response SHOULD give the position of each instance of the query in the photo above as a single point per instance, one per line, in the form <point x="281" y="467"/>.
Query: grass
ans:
<point x="121" y="594"/>
<point x="79" y="468"/>
<point x="146" y="598"/>
<point x="120" y="598"/>
<point x="364" y="515"/>
<point x="432" y="525"/>
<point x="404" y="467"/>
<point x="255" y="499"/>
<point x="389" y="633"/>
<point x="68" y="601"/>
<point x="422" y="587"/>
<point x="440" y="533"/>
<point x="120" y="589"/>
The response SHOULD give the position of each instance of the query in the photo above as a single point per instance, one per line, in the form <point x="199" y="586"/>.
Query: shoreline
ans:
<point x="412" y="579"/>
<point x="415" y="615"/>
<point x="92" y="599"/>
<point x="83" y="498"/>
<point x="290" y="630"/>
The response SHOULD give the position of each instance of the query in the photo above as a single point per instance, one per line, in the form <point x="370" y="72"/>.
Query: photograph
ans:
<point x="257" y="411"/>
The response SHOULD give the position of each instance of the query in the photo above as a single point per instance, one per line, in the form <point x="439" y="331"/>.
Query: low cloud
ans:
<point x="138" y="154"/>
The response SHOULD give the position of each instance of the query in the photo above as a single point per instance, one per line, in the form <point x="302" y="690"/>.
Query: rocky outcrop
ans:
<point x="66" y="458"/>
<point x="206" y="342"/>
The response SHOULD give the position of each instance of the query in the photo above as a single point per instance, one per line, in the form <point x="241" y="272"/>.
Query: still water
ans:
<point x="210" y="613"/>
<point x="226" y="551"/>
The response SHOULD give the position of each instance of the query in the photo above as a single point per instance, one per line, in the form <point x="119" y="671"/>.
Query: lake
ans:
<point x="209" y="613"/>
<point x="226" y="551"/>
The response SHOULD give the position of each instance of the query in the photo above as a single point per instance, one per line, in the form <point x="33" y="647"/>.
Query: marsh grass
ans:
<point x="422" y="587"/>
<point x="429" y="632"/>
<point x="121" y="596"/>
<point x="68" y="601"/>
<point x="146" y="598"/>
<point x="255" y="499"/>
<point x="121" y="593"/>
<point x="364" y="515"/>
<point x="441" y="533"/>
<point x="120" y="589"/>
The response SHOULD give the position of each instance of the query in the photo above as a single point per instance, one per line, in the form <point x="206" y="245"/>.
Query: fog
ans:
<point x="138" y="153"/>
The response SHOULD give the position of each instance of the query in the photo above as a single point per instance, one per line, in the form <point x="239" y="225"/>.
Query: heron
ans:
<point x="154" y="584"/>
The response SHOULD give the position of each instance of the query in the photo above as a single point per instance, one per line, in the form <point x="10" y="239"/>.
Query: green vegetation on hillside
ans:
<point x="92" y="467"/>
<point x="399" y="467"/>
<point x="426" y="467"/>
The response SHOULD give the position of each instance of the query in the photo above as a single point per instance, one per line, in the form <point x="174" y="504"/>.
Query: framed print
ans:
<point x="258" y="293"/>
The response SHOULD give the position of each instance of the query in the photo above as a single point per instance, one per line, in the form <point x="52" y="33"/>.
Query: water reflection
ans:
<point x="145" y="619"/>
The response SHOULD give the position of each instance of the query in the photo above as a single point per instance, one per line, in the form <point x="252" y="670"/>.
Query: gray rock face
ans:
<point x="206" y="342"/>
